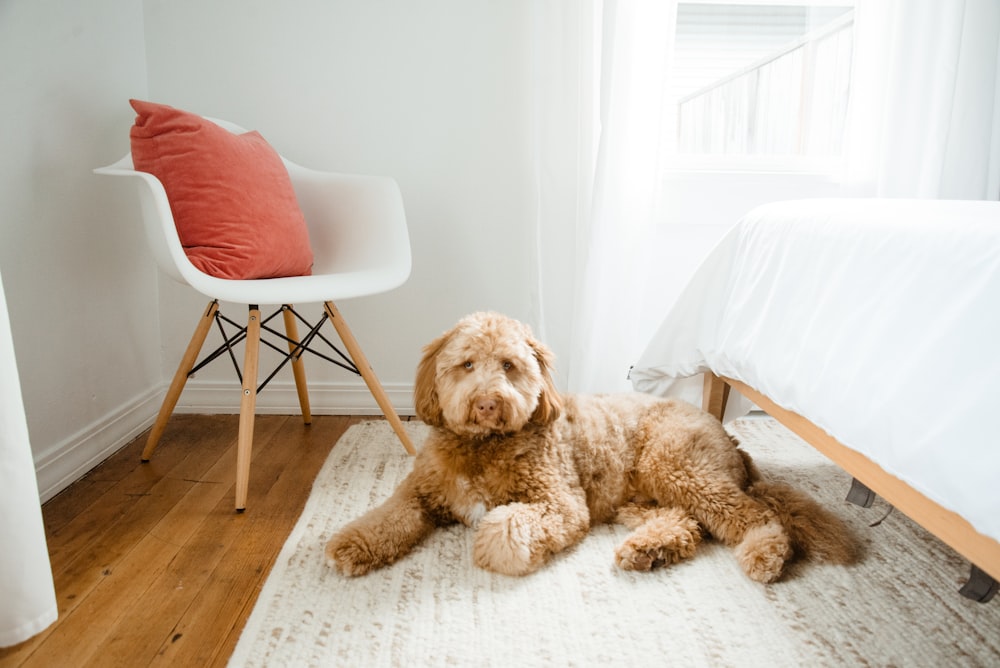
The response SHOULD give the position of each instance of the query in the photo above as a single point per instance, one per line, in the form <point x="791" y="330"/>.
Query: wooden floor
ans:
<point x="152" y="566"/>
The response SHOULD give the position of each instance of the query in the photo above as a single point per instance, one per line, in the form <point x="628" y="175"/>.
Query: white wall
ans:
<point x="80" y="289"/>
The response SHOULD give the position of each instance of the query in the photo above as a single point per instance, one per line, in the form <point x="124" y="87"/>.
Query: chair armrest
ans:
<point x="356" y="222"/>
<point x="157" y="218"/>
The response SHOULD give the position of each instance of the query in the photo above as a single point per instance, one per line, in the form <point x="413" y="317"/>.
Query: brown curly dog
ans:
<point x="531" y="470"/>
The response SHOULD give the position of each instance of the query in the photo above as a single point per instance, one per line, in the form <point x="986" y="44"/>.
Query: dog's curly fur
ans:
<point x="531" y="470"/>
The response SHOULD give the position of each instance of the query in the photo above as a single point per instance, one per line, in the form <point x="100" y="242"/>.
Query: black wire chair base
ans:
<point x="289" y="354"/>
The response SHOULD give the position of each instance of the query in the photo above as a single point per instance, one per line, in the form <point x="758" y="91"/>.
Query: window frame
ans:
<point x="675" y="161"/>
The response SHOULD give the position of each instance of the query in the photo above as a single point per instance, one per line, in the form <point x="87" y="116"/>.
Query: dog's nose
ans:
<point x="487" y="407"/>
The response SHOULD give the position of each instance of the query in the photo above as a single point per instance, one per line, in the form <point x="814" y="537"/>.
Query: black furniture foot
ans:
<point x="860" y="495"/>
<point x="980" y="587"/>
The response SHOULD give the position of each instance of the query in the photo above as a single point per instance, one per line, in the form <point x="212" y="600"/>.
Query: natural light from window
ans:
<point x="759" y="84"/>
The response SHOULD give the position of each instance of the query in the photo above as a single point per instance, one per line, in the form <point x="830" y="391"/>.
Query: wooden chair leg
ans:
<point x="715" y="395"/>
<point x="180" y="379"/>
<point x="248" y="405"/>
<point x="298" y="366"/>
<point x="369" y="375"/>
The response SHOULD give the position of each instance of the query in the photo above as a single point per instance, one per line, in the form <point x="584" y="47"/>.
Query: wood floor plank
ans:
<point x="184" y="433"/>
<point x="208" y="634"/>
<point x="140" y="500"/>
<point x="139" y="633"/>
<point x="152" y="565"/>
<point x="144" y="629"/>
<point x="94" y="514"/>
<point x="118" y="568"/>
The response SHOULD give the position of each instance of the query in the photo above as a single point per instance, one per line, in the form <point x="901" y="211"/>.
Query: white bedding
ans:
<point x="878" y="320"/>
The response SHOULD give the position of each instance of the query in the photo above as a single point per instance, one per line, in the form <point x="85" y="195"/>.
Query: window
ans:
<point x="759" y="84"/>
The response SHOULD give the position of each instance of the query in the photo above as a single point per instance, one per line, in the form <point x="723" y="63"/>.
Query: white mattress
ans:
<point x="878" y="320"/>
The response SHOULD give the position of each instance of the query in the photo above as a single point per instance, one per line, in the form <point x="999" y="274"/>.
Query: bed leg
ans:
<point x="860" y="495"/>
<point x="980" y="587"/>
<point x="715" y="395"/>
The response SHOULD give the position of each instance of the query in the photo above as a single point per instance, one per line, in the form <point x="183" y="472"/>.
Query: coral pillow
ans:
<point x="230" y="194"/>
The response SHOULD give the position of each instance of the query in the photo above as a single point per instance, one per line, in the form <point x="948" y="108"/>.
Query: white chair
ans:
<point x="357" y="229"/>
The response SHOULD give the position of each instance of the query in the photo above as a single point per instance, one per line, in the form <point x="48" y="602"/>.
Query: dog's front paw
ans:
<point x="507" y="540"/>
<point x="350" y="553"/>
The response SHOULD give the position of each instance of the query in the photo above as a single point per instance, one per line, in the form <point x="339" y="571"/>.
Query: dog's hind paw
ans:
<point x="763" y="552"/>
<point x="643" y="552"/>
<point x="635" y="558"/>
<point x="630" y="559"/>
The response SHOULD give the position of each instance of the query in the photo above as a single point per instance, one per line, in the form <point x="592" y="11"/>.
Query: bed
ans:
<point x="871" y="328"/>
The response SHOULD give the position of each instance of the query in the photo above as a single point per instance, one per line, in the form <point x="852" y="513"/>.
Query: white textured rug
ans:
<point x="898" y="606"/>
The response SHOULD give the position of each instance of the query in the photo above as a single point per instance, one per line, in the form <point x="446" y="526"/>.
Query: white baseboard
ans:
<point x="68" y="461"/>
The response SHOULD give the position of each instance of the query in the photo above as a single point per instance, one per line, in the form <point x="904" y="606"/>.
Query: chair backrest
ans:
<point x="357" y="229"/>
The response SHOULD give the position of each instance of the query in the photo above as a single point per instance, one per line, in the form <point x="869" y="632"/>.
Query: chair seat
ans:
<point x="299" y="289"/>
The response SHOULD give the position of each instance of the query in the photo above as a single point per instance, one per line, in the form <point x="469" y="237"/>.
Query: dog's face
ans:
<point x="488" y="375"/>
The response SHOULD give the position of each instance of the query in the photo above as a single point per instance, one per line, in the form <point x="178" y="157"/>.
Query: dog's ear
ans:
<point x="425" y="389"/>
<point x="549" y="401"/>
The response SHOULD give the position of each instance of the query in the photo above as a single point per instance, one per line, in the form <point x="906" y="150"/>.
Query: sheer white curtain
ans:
<point x="27" y="594"/>
<point x="565" y="59"/>
<point x="600" y="70"/>
<point x="924" y="121"/>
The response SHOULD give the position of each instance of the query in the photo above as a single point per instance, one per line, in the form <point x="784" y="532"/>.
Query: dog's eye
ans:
<point x="507" y="365"/>
<point x="468" y="366"/>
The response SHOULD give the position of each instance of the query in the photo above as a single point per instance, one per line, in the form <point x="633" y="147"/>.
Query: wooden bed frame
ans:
<point x="952" y="529"/>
